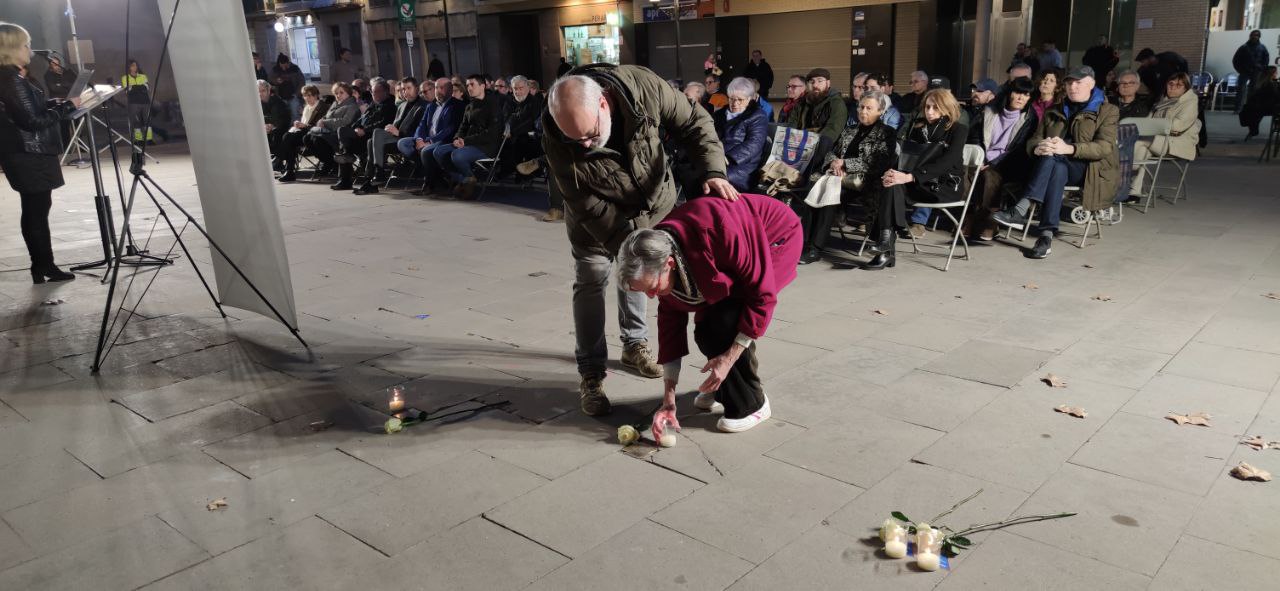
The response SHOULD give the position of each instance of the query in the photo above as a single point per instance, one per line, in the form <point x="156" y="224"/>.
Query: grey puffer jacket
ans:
<point x="339" y="115"/>
<point x="27" y="125"/>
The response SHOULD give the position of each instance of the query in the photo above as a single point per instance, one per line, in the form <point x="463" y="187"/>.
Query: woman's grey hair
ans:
<point x="882" y="100"/>
<point x="643" y="254"/>
<point x="583" y="90"/>
<point x="264" y="84"/>
<point x="697" y="85"/>
<point x="742" y="88"/>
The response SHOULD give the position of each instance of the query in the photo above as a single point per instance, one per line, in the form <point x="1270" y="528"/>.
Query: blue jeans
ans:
<point x="456" y="162"/>
<point x="407" y="145"/>
<point x="1049" y="174"/>
<point x="921" y="215"/>
<point x="592" y="272"/>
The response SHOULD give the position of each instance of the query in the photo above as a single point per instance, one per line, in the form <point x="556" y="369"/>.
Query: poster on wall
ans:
<point x="223" y="119"/>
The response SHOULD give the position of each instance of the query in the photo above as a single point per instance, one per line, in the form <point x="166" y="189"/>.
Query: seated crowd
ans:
<point x="1043" y="132"/>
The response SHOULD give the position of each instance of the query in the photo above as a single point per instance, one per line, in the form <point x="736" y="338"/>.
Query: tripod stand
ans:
<point x="148" y="185"/>
<point x="108" y="336"/>
<point x="102" y="202"/>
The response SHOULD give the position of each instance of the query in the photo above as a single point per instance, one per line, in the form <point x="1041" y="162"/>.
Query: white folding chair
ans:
<point x="1149" y="128"/>
<point x="974" y="156"/>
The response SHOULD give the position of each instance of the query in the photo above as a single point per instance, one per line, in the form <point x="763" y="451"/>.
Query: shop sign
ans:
<point x="689" y="10"/>
<point x="406" y="14"/>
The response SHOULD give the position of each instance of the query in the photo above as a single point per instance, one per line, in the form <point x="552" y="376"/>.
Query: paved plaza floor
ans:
<point x="904" y="390"/>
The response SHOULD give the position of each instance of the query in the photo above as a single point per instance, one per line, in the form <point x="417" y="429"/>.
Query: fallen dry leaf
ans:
<point x="320" y="425"/>
<point x="1030" y="286"/>
<point x="1200" y="419"/>
<point x="1102" y="298"/>
<point x="1246" y="472"/>
<point x="1054" y="381"/>
<point x="1087" y="266"/>
<point x="217" y="504"/>
<point x="1074" y="411"/>
<point x="1273" y="295"/>
<point x="882" y="312"/>
<point x="1259" y="444"/>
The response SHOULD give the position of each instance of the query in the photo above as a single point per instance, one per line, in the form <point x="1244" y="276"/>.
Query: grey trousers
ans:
<point x="378" y="143"/>
<point x="591" y="276"/>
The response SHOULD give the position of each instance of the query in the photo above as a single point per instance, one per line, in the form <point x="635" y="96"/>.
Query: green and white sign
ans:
<point x="407" y="9"/>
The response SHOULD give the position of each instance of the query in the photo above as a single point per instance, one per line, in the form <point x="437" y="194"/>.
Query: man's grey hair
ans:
<point x="264" y="84"/>
<point x="1018" y="68"/>
<point x="882" y="100"/>
<point x="696" y="85"/>
<point x="1127" y="73"/>
<point x="519" y="79"/>
<point x="741" y="87"/>
<point x="376" y="80"/>
<point x="643" y="254"/>
<point x="588" y="89"/>
<point x="922" y="73"/>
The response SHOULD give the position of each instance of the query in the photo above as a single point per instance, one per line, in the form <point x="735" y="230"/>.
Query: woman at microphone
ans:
<point x="30" y="143"/>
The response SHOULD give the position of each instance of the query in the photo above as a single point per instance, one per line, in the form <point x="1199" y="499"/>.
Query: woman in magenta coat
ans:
<point x="724" y="261"/>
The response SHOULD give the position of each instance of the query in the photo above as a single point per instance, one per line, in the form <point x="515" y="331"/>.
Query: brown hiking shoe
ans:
<point x="640" y="358"/>
<point x="554" y="214"/>
<point x="527" y="167"/>
<point x="591" y="393"/>
<point x="917" y="230"/>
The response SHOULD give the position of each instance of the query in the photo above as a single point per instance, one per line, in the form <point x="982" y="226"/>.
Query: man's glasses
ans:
<point x="595" y="135"/>
<point x="795" y="86"/>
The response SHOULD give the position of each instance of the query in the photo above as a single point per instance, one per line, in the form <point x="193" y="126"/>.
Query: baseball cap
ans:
<point x="1080" y="73"/>
<point x="818" y="73"/>
<point x="1144" y="54"/>
<point x="939" y="82"/>
<point x="986" y="84"/>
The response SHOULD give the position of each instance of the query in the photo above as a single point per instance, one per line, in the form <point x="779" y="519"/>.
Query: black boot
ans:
<point x="811" y="255"/>
<point x="345" y="172"/>
<point x="887" y="257"/>
<point x="50" y="272"/>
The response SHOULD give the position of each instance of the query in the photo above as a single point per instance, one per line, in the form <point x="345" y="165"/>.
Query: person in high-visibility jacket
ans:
<point x="138" y="90"/>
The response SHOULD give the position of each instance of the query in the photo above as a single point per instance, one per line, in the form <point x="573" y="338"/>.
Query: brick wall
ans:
<point x="906" y="44"/>
<point x="1177" y="25"/>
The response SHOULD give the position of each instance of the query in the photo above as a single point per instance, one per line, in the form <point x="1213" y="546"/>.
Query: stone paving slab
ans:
<point x="1229" y="514"/>
<point x="401" y="513"/>
<point x="860" y="454"/>
<point x="40" y="476"/>
<point x="582" y="509"/>
<point x="1158" y="451"/>
<point x="124" y="558"/>
<point x="13" y="550"/>
<point x="997" y="364"/>
<point x="758" y="509"/>
<point x="1198" y="564"/>
<point x="310" y="554"/>
<point x="1227" y="365"/>
<point x="477" y="554"/>
<point x="647" y="556"/>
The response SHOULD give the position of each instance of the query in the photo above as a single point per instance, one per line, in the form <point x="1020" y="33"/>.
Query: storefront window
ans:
<point x="590" y="44"/>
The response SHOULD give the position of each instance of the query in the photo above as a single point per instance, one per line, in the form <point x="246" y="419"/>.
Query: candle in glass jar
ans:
<point x="895" y="549"/>
<point x="397" y="400"/>
<point x="895" y="540"/>
<point x="927" y="561"/>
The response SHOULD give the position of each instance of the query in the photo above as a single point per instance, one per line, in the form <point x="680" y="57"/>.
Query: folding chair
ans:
<point x="1149" y="128"/>
<point x="974" y="156"/>
<point x="1228" y="87"/>
<point x="489" y="168"/>
<point x="1272" y="148"/>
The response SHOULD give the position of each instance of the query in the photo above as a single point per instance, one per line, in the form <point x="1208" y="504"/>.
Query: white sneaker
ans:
<point x="707" y="401"/>
<point x="747" y="422"/>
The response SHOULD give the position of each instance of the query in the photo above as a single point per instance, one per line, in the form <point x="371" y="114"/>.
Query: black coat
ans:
<point x="1014" y="164"/>
<point x="30" y="134"/>
<point x="744" y="138"/>
<point x="276" y="112"/>
<point x="59" y="85"/>
<point x="1153" y="77"/>
<point x="1250" y="60"/>
<point x="377" y="116"/>
<point x="762" y="73"/>
<point x="1103" y="59"/>
<point x="1139" y="107"/>
<point x="520" y="118"/>
<point x="480" y="125"/>
<point x="943" y="162"/>
<point x="408" y="116"/>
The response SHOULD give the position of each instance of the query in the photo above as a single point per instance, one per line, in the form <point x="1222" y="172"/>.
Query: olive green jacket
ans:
<point x="1094" y="137"/>
<point x="607" y="193"/>
<point x="826" y="117"/>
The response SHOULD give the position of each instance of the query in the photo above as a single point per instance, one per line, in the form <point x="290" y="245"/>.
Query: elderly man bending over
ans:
<point x="725" y="262"/>
<point x="603" y="132"/>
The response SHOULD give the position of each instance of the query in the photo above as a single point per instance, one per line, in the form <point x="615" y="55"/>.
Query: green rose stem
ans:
<point x="1008" y="522"/>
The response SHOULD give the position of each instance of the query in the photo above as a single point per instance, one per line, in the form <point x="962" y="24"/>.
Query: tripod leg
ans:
<point x="231" y="262"/>
<point x="178" y="236"/>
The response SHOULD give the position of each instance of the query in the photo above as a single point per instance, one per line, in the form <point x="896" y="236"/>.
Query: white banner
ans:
<point x="212" y="66"/>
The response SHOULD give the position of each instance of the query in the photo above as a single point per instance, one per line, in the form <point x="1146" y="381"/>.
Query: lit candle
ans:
<point x="895" y="540"/>
<point x="928" y="544"/>
<point x="397" y="399"/>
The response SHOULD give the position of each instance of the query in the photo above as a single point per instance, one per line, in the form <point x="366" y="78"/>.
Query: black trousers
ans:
<point x="741" y="392"/>
<point x="35" y="227"/>
<point x="322" y="148"/>
<point x="816" y="221"/>
<point x="288" y="148"/>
